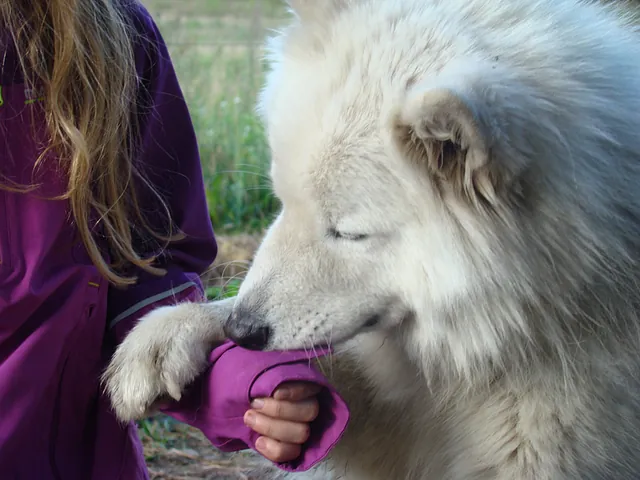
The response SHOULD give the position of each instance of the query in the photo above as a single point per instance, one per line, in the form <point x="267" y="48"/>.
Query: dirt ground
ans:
<point x="175" y="451"/>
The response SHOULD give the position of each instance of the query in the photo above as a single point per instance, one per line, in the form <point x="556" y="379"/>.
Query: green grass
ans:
<point x="218" y="7"/>
<point x="216" y="49"/>
<point x="230" y="289"/>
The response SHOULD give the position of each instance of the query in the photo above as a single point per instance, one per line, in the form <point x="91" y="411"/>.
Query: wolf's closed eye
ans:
<point x="350" y="236"/>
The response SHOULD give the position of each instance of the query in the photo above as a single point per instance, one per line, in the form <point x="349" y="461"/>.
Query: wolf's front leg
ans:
<point x="162" y="354"/>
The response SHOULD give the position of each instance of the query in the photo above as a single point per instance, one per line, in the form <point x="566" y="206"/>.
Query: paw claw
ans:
<point x="174" y="391"/>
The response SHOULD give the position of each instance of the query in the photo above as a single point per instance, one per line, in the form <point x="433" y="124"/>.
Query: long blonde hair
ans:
<point x="82" y="53"/>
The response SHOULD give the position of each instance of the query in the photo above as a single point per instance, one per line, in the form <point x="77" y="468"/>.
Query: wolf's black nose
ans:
<point x="247" y="331"/>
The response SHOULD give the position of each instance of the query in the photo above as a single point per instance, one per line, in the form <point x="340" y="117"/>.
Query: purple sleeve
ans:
<point x="167" y="155"/>
<point x="217" y="401"/>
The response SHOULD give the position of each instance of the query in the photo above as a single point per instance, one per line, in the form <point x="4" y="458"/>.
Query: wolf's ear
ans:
<point x="469" y="126"/>
<point x="444" y="130"/>
<point x="314" y="10"/>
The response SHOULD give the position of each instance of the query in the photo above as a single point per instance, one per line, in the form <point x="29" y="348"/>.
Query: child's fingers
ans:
<point x="276" y="429"/>
<point x="305" y="411"/>
<point x="277" y="451"/>
<point x="296" y="391"/>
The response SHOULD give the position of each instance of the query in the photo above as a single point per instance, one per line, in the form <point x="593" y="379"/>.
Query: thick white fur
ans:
<point x="490" y="152"/>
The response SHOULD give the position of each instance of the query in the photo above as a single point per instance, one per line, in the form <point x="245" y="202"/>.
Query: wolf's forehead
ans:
<point x="341" y="173"/>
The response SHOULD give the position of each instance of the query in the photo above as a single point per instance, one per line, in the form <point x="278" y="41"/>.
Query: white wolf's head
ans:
<point x="445" y="171"/>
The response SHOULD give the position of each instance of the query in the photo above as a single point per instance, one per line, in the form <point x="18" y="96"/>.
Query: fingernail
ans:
<point x="258" y="403"/>
<point x="284" y="394"/>
<point x="261" y="443"/>
<point x="250" y="419"/>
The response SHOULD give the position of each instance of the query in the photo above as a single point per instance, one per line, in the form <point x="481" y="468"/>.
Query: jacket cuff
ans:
<point x="326" y="430"/>
<point x="216" y="403"/>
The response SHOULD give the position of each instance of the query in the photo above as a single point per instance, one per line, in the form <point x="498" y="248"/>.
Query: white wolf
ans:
<point x="460" y="183"/>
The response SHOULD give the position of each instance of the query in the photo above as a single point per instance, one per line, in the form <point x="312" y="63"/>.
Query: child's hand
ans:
<point x="283" y="420"/>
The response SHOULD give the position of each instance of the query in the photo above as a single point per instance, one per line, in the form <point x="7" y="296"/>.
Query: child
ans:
<point x="102" y="218"/>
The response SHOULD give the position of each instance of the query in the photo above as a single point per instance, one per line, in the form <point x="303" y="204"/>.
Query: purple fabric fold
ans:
<point x="216" y="403"/>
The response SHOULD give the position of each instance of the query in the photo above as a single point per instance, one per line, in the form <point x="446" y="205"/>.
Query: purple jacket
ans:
<point x="60" y="320"/>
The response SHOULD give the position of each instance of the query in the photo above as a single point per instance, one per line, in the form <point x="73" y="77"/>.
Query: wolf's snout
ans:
<point x="247" y="330"/>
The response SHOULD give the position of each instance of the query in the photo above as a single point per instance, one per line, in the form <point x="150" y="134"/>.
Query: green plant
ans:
<point x="218" y="7"/>
<point x="216" y="51"/>
<point x="229" y="289"/>
<point x="235" y="161"/>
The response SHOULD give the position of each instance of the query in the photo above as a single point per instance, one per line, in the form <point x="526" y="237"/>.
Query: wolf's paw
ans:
<point x="161" y="355"/>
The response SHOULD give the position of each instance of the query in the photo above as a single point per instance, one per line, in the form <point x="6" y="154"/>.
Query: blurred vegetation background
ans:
<point x="216" y="46"/>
